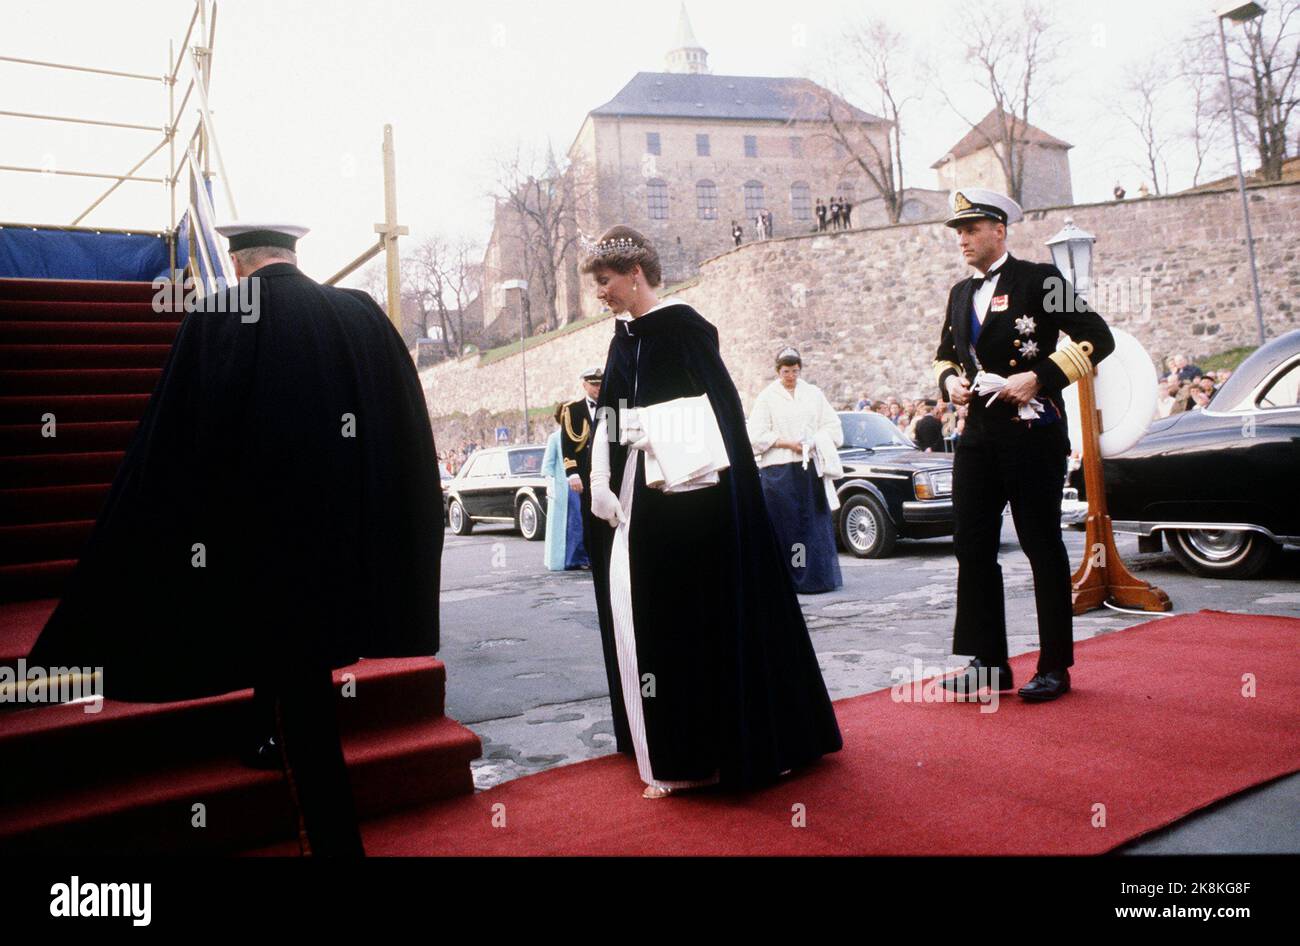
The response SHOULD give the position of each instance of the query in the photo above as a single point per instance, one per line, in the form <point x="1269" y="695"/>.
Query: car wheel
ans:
<point x="865" y="528"/>
<point x="458" y="519"/>
<point x="1221" y="553"/>
<point x="528" y="519"/>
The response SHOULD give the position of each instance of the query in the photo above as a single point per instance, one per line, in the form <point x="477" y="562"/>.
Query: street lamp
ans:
<point x="1241" y="13"/>
<point x="522" y="286"/>
<point x="1072" y="253"/>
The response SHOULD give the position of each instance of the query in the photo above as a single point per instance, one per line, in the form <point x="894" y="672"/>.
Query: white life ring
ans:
<point x="1125" y="389"/>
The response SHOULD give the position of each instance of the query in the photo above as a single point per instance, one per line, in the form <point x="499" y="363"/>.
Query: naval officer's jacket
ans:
<point x="1031" y="305"/>
<point x="576" y="431"/>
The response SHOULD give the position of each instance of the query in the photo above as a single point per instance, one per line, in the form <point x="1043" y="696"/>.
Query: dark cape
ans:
<point x="737" y="687"/>
<point x="318" y="548"/>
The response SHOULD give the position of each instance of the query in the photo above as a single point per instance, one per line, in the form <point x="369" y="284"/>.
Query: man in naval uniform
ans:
<point x="1004" y="322"/>
<point x="577" y="423"/>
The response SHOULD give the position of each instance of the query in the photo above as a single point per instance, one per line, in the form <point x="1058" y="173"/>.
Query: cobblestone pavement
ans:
<point x="526" y="673"/>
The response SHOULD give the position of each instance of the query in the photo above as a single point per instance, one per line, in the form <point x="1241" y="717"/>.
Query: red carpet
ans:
<point x="88" y="353"/>
<point x="1155" y="728"/>
<point x="124" y="780"/>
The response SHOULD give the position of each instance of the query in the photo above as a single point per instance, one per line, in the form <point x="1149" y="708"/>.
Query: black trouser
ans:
<point x="305" y="707"/>
<point x="1029" y="472"/>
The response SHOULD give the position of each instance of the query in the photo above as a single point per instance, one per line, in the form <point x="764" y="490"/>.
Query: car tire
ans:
<point x="865" y="529"/>
<point x="458" y="519"/>
<point x="530" y="520"/>
<point x="1221" y="553"/>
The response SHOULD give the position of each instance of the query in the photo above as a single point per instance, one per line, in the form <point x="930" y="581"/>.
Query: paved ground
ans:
<point x="526" y="673"/>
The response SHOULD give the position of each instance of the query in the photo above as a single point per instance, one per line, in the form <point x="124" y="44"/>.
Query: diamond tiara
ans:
<point x="608" y="247"/>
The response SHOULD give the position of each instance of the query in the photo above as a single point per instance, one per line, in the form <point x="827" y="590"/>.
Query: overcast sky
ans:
<point x="301" y="90"/>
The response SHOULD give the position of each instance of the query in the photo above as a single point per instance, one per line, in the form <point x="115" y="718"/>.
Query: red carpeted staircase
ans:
<point x="127" y="779"/>
<point x="88" y="353"/>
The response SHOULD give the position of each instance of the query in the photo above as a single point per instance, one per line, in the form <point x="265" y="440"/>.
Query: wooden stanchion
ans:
<point x="1102" y="577"/>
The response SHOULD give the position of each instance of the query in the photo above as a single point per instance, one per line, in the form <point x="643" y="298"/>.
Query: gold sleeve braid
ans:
<point x="941" y="366"/>
<point x="1074" y="360"/>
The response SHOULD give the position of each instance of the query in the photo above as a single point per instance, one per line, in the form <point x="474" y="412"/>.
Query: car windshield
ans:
<point x="523" y="462"/>
<point x="871" y="431"/>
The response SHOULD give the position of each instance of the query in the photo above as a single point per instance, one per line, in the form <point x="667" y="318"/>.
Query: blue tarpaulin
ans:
<point x="41" y="253"/>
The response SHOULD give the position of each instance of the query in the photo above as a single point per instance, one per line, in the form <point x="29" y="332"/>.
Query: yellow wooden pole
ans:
<point x="390" y="230"/>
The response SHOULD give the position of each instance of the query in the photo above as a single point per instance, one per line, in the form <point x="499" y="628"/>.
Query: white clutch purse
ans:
<point x="686" y="450"/>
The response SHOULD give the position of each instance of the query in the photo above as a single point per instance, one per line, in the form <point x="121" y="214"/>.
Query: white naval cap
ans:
<point x="244" y="235"/>
<point x="973" y="203"/>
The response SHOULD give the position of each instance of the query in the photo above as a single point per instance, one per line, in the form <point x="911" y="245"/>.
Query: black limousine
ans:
<point x="1220" y="483"/>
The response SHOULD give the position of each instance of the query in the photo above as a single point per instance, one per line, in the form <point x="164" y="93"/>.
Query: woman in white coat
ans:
<point x="795" y="433"/>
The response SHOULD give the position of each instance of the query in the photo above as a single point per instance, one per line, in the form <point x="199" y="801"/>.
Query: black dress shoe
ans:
<point x="979" y="674"/>
<point x="1046" y="686"/>
<point x="264" y="755"/>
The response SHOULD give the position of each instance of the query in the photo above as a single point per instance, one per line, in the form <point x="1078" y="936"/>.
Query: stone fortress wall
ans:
<point x="864" y="307"/>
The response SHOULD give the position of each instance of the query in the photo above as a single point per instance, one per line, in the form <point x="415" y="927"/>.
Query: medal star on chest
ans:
<point x="1029" y="349"/>
<point x="1025" y="325"/>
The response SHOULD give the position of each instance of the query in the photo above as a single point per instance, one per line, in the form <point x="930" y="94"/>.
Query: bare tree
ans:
<point x="1201" y="75"/>
<point x="1264" y="55"/>
<point x="545" y="204"/>
<point x="464" y="281"/>
<point x="374" y="280"/>
<point x="1143" y="105"/>
<point x="424" y="281"/>
<point x="1010" y="53"/>
<point x="871" y="58"/>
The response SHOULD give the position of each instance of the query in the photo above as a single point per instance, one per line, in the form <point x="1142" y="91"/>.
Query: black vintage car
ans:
<point x="499" y="485"/>
<point x="1221" y="483"/>
<point x="890" y="490"/>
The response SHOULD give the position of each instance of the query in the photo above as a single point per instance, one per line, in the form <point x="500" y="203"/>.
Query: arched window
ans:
<point x="753" y="197"/>
<point x="844" y="191"/>
<point x="800" y="201"/>
<point x="706" y="200"/>
<point x="656" y="192"/>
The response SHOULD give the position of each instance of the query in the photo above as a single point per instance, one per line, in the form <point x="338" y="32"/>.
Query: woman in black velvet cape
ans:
<point x="731" y="687"/>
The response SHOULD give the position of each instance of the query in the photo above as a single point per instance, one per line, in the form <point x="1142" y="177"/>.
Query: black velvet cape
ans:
<point x="318" y="548"/>
<point x="737" y="687"/>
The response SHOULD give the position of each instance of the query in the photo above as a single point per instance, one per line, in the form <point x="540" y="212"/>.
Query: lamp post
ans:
<point x="1241" y="13"/>
<point x="1101" y="578"/>
<point x="522" y="286"/>
<point x="1072" y="253"/>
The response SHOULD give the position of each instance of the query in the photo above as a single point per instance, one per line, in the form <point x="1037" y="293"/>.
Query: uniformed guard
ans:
<point x="998" y="354"/>
<point x="576" y="426"/>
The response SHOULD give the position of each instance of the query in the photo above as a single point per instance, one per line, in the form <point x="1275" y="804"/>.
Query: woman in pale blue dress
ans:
<point x="564" y="549"/>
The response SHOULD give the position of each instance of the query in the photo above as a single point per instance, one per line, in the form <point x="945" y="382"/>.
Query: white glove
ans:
<point x="631" y="432"/>
<point x="604" y="504"/>
<point x="986" y="382"/>
<point x="575" y="482"/>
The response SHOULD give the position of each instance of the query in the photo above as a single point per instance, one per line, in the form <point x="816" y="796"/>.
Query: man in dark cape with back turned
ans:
<point x="277" y="516"/>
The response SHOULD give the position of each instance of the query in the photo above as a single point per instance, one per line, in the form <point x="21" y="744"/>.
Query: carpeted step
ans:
<point x="65" y="357"/>
<point x="20" y="625"/>
<point x="43" y="541"/>
<point x="34" y="580"/>
<point x="107" y="313"/>
<point x="27" y="439"/>
<point x="144" y="813"/>
<point x="51" y="503"/>
<point x="34" y="332"/>
<point x="59" y="469"/>
<point x="78" y="290"/>
<point x="72" y="408"/>
<point x="80" y="382"/>
<point x="148" y="764"/>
